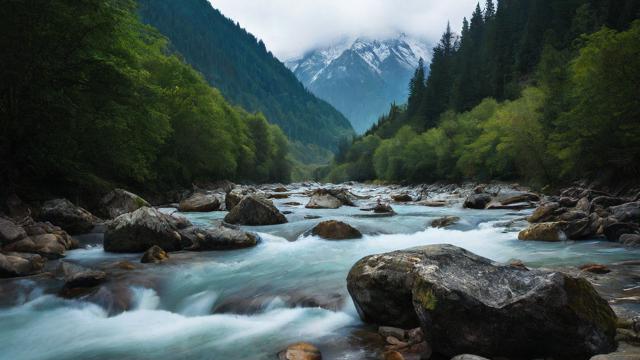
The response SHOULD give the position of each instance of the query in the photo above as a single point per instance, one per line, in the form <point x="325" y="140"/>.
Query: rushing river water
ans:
<point x="249" y="304"/>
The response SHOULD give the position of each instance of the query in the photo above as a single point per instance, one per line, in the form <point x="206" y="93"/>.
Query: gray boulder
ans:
<point x="630" y="239"/>
<point x="119" y="201"/>
<point x="217" y="238"/>
<point x="336" y="230"/>
<point x="477" y="201"/>
<point x="63" y="213"/>
<point x="44" y="239"/>
<point x="629" y="212"/>
<point x="255" y="210"/>
<point x="139" y="230"/>
<point x="329" y="199"/>
<point x="468" y="304"/>
<point x="201" y="202"/>
<point x="76" y="276"/>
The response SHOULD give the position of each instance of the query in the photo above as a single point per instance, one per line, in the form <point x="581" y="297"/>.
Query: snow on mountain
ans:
<point x="363" y="76"/>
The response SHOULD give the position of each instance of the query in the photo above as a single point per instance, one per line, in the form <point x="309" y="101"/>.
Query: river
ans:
<point x="249" y="304"/>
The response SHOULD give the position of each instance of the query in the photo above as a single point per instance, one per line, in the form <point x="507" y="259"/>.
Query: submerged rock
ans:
<point x="119" y="201"/>
<point x="468" y="304"/>
<point x="217" y="238"/>
<point x="300" y="351"/>
<point x="154" y="255"/>
<point x="444" y="221"/>
<point x="336" y="230"/>
<point x="552" y="231"/>
<point x="200" y="202"/>
<point x="255" y="210"/>
<point x="139" y="230"/>
<point x="63" y="213"/>
<point x="76" y="276"/>
<point x="18" y="264"/>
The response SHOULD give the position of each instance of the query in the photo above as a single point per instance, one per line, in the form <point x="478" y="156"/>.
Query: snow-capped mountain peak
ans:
<point x="361" y="76"/>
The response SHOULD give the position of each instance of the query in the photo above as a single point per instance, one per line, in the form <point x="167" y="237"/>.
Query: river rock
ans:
<point x="19" y="264"/>
<point x="10" y="232"/>
<point x="544" y="212"/>
<point x="614" y="230"/>
<point x="154" y="255"/>
<point x="336" y="230"/>
<point x="401" y="197"/>
<point x="300" y="351"/>
<point x="63" y="213"/>
<point x="468" y="304"/>
<point x="444" y="221"/>
<point x="630" y="239"/>
<point x="44" y="239"/>
<point x="514" y="197"/>
<point x="595" y="268"/>
<point x="629" y="212"/>
<point x="200" y="202"/>
<point x="255" y="210"/>
<point x="139" y="230"/>
<point x="329" y="199"/>
<point x="468" y="357"/>
<point x="217" y="238"/>
<point x="120" y="201"/>
<point x="76" y="276"/>
<point x="551" y="231"/>
<point x="386" y="331"/>
<point x="477" y="201"/>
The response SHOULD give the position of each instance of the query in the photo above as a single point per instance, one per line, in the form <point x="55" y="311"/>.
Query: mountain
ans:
<point x="234" y="61"/>
<point x="362" y="77"/>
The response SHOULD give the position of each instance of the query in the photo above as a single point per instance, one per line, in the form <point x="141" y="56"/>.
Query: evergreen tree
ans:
<point x="416" y="89"/>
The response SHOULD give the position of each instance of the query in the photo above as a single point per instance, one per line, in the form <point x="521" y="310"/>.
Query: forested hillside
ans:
<point x="545" y="91"/>
<point x="238" y="64"/>
<point x="91" y="98"/>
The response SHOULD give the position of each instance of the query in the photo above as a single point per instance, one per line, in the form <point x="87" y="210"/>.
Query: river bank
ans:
<point x="291" y="284"/>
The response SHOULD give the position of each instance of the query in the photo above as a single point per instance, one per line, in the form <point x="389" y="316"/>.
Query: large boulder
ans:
<point x="630" y="239"/>
<point x="201" y="202"/>
<point x="544" y="212"/>
<point x="63" y="213"/>
<point x="119" y="201"/>
<point x="336" y="230"/>
<point x="10" y="232"/>
<point x="329" y="199"/>
<point x="217" y="238"/>
<point x="19" y="264"/>
<point x="468" y="304"/>
<point x="477" y="201"/>
<point x="139" y="230"/>
<point x="551" y="231"/>
<point x="255" y="210"/>
<point x="76" y="276"/>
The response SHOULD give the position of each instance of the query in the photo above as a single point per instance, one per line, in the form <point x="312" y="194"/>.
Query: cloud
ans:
<point x="290" y="28"/>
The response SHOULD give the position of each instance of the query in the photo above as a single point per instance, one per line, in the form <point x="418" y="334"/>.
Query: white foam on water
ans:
<point x="145" y="299"/>
<point x="198" y="304"/>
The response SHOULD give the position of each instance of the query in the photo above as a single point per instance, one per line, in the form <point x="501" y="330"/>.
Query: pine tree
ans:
<point x="489" y="10"/>
<point x="416" y="89"/>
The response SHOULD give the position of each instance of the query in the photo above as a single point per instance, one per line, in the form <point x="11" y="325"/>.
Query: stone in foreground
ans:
<point x="300" y="351"/>
<point x="468" y="304"/>
<point x="142" y="229"/>
<point x="336" y="230"/>
<point x="255" y="210"/>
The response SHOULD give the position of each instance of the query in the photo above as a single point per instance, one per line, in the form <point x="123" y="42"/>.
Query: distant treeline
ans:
<point x="545" y="91"/>
<point x="91" y="98"/>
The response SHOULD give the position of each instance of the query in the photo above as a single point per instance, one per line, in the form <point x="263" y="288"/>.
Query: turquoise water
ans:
<point x="249" y="304"/>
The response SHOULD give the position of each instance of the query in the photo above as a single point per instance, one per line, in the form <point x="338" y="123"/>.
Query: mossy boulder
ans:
<point x="469" y="304"/>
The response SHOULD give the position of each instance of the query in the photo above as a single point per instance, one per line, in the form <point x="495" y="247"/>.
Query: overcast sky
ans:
<point x="289" y="28"/>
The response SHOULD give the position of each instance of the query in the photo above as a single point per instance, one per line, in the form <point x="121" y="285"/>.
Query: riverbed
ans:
<point x="251" y="303"/>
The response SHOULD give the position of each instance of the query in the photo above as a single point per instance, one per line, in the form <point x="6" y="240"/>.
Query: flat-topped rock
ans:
<point x="336" y="230"/>
<point x="255" y="210"/>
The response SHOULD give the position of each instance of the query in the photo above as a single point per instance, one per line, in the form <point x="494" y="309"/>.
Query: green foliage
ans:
<point x="234" y="61"/>
<point x="522" y="94"/>
<point x="89" y="97"/>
